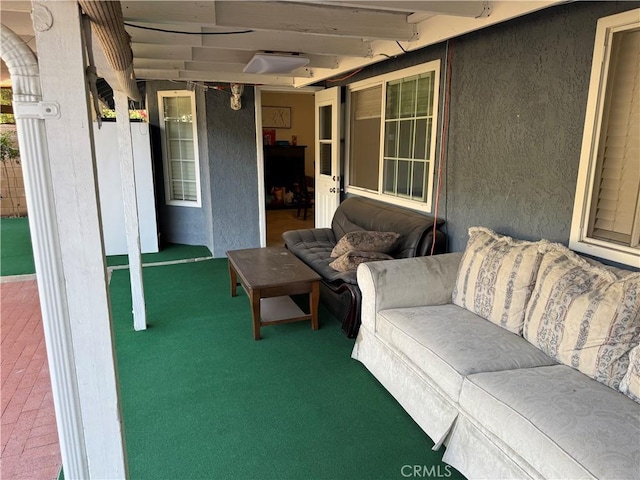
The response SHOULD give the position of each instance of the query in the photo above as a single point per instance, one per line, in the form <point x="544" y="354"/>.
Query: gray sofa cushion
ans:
<point x="561" y="422"/>
<point x="313" y="246"/>
<point x="365" y="214"/>
<point x="448" y="343"/>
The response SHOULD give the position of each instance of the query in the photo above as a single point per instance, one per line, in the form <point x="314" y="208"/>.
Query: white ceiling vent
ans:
<point x="275" y="63"/>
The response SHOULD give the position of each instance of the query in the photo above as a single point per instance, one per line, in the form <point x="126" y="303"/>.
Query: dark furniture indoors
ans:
<point x="339" y="291"/>
<point x="283" y="168"/>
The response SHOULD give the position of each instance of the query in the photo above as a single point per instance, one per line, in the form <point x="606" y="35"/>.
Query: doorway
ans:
<point x="287" y="119"/>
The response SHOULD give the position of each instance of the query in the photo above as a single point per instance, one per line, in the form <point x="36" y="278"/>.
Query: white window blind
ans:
<point x="617" y="186"/>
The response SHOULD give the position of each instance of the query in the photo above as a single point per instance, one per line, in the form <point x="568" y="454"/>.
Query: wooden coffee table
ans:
<point x="269" y="276"/>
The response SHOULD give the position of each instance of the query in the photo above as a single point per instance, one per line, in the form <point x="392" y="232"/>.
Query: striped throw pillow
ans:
<point x="496" y="277"/>
<point x="585" y="316"/>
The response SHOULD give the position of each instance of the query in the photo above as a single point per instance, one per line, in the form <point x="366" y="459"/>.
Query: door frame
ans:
<point x="262" y="211"/>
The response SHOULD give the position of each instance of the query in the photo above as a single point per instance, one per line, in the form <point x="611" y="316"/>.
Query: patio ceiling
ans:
<point x="212" y="41"/>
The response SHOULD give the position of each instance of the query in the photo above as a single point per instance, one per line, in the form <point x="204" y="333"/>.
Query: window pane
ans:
<point x="391" y="139"/>
<point x="425" y="95"/>
<point x="404" y="177"/>
<point x="325" y="159"/>
<point x="390" y="176"/>
<point x="367" y="103"/>
<point x="405" y="141"/>
<point x="176" y="190"/>
<point x="325" y="122"/>
<point x="190" y="191"/>
<point x="421" y="139"/>
<point x="187" y="150"/>
<point x="419" y="179"/>
<point x="408" y="98"/>
<point x="364" y="161"/>
<point x="393" y="100"/>
<point x="188" y="171"/>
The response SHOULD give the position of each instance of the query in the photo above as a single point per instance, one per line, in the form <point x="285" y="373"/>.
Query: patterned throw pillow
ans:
<point x="366" y="241"/>
<point x="630" y="384"/>
<point x="496" y="277"/>
<point x="585" y="316"/>
<point x="351" y="260"/>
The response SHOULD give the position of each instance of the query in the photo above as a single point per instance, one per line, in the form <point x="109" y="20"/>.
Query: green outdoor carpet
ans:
<point x="202" y="400"/>
<point x="16" y="255"/>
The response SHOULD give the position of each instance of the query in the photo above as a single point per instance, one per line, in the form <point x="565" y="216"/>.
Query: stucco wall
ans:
<point x="518" y="99"/>
<point x="233" y="172"/>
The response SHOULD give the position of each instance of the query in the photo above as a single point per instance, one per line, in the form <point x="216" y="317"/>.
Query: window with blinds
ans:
<point x="615" y="208"/>
<point x="180" y="152"/>
<point x="392" y="136"/>
<point x="606" y="221"/>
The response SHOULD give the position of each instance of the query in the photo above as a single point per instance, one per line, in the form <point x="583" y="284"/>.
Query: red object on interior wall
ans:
<point x="268" y="136"/>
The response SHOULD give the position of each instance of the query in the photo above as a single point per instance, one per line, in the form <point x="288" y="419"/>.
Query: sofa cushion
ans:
<point x="448" y="343"/>
<point x="496" y="277"/>
<point x="585" y="316"/>
<point x="630" y="384"/>
<point x="545" y="415"/>
<point x="366" y="241"/>
<point x="359" y="213"/>
<point x="350" y="260"/>
<point x="313" y="246"/>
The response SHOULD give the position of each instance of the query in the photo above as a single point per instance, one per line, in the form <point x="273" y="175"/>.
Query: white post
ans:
<point x="70" y="140"/>
<point x="30" y="114"/>
<point x="130" y="201"/>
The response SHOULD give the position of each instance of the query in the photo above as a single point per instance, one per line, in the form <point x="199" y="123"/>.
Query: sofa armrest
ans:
<point x="407" y="282"/>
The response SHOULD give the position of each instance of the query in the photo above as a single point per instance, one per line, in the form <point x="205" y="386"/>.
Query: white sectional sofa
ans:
<point x="513" y="354"/>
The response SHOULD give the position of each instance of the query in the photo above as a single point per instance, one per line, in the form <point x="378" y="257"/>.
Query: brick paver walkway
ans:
<point x="30" y="448"/>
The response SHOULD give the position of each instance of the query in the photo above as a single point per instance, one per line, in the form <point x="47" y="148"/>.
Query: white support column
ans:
<point x="72" y="159"/>
<point x="130" y="200"/>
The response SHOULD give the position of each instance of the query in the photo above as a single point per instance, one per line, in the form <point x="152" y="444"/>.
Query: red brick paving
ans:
<point x="30" y="448"/>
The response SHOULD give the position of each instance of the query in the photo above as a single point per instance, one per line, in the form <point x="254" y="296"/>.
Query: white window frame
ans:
<point x="425" y="206"/>
<point x="162" y="94"/>
<point x="579" y="239"/>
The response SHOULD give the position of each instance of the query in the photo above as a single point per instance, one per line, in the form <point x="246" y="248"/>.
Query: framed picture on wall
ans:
<point x="276" y="117"/>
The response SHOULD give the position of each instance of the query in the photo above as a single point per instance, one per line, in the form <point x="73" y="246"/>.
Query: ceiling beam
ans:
<point x="247" y="78"/>
<point x="162" y="52"/>
<point x="290" y="42"/>
<point x="198" y="13"/>
<point x="462" y="8"/>
<point x="314" y="19"/>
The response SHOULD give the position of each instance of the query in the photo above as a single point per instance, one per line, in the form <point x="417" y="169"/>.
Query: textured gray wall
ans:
<point x="233" y="172"/>
<point x="518" y="99"/>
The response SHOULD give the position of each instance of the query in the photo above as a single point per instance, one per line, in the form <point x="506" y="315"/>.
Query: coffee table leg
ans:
<point x="233" y="278"/>
<point x="255" y="312"/>
<point x="314" y="298"/>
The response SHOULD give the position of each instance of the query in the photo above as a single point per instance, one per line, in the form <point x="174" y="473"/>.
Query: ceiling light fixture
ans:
<point x="275" y="63"/>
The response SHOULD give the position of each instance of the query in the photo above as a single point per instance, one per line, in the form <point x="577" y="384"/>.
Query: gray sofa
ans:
<point x="501" y="396"/>
<point x="339" y="290"/>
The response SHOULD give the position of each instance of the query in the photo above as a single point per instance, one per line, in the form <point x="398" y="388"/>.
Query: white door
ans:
<point x="327" y="187"/>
